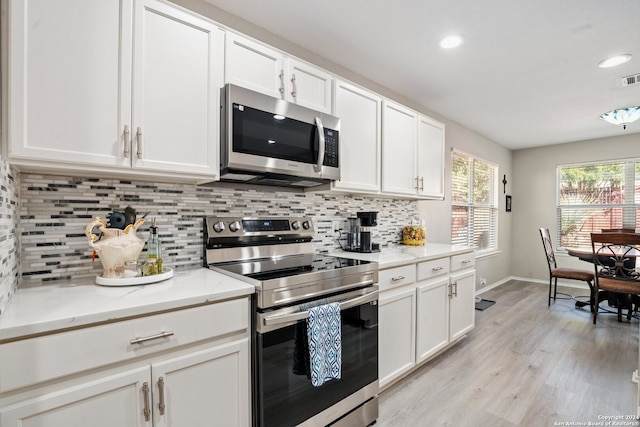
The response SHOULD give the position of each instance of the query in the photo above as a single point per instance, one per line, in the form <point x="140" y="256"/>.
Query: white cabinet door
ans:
<point x="254" y="66"/>
<point x="115" y="400"/>
<point x="211" y="384"/>
<point x="462" y="304"/>
<point x="360" y="112"/>
<point x="399" y="136"/>
<point x="177" y="77"/>
<point x="308" y="86"/>
<point x="396" y="334"/>
<point x="430" y="157"/>
<point x="69" y="95"/>
<point x="261" y="68"/>
<point x="432" y="322"/>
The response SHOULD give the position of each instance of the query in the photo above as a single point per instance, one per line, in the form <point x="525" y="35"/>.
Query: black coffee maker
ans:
<point x="359" y="233"/>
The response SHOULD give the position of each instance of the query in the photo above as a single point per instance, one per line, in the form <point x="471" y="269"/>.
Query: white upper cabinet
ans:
<point x="69" y="92"/>
<point x="360" y="114"/>
<point x="430" y="158"/>
<point x="259" y="67"/>
<point x="81" y="98"/>
<point x="177" y="75"/>
<point x="399" y="138"/>
<point x="308" y="86"/>
<point x="412" y="153"/>
<point x="253" y="65"/>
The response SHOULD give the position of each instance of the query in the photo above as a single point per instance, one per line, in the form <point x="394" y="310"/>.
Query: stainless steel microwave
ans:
<point x="269" y="141"/>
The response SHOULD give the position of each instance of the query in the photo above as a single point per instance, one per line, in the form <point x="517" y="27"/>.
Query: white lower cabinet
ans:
<point x="432" y="329"/>
<point x="396" y="330"/>
<point x="114" y="400"/>
<point x="424" y="308"/>
<point x="181" y="379"/>
<point x="462" y="304"/>
<point x="207" y="385"/>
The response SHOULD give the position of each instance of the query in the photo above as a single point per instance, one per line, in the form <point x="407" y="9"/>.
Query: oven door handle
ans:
<point x="300" y="315"/>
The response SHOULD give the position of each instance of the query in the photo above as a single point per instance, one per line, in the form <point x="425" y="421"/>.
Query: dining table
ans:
<point x="586" y="254"/>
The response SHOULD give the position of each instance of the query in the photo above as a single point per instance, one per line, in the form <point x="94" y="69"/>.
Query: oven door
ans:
<point x="284" y="395"/>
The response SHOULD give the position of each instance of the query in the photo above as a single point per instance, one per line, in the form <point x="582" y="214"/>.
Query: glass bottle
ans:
<point x="154" y="251"/>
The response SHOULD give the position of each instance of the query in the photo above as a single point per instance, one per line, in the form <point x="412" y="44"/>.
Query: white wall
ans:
<point x="438" y="213"/>
<point x="534" y="203"/>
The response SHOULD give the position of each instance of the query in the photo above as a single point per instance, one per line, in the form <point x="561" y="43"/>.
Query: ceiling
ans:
<point x="527" y="74"/>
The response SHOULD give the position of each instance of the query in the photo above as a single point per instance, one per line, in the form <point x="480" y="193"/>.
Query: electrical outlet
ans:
<point x="336" y="226"/>
<point x="483" y="282"/>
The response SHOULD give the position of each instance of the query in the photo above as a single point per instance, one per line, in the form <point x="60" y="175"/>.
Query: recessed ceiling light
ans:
<point x="614" y="60"/>
<point x="451" y="41"/>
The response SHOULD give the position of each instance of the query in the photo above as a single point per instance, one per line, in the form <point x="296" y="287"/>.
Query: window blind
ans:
<point x="596" y="196"/>
<point x="474" y="202"/>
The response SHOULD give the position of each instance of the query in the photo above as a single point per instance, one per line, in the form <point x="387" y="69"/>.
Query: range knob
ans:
<point x="234" y="226"/>
<point x="218" y="227"/>
<point x="295" y="225"/>
<point x="306" y="225"/>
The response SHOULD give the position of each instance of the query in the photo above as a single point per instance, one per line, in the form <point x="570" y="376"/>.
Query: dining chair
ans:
<point x="614" y="258"/>
<point x="556" y="273"/>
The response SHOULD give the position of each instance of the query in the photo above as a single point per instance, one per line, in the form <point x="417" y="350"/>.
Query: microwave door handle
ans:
<point x="318" y="166"/>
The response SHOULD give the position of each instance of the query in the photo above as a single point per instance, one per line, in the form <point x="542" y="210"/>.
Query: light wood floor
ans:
<point x="525" y="364"/>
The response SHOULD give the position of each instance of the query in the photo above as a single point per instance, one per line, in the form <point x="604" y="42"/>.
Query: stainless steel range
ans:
<point x="276" y="256"/>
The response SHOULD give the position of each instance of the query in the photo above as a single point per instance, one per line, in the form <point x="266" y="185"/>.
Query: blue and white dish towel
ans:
<point x="325" y="343"/>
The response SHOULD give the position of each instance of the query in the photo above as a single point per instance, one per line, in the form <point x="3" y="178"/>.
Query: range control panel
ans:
<point x="238" y="227"/>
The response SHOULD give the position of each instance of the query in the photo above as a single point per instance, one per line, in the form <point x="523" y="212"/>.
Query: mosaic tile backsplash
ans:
<point x="9" y="252"/>
<point x="55" y="211"/>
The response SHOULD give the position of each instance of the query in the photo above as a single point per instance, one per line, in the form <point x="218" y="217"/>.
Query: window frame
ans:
<point x="493" y="207"/>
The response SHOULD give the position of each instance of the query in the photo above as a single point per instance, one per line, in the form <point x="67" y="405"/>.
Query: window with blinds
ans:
<point x="596" y="196"/>
<point x="474" y="202"/>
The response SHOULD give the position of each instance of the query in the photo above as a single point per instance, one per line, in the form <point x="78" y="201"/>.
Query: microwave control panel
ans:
<point x="330" y="148"/>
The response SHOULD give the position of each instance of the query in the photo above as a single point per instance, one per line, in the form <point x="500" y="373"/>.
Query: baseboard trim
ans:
<point x="571" y="284"/>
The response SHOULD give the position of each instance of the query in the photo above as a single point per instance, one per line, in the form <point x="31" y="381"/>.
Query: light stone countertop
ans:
<point x="48" y="308"/>
<point x="398" y="255"/>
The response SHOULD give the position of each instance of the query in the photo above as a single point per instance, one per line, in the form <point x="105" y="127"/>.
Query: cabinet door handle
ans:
<point x="466" y="261"/>
<point x="125" y="152"/>
<point x="161" y="405"/>
<point x="450" y="290"/>
<point x="397" y="278"/>
<point x="417" y="179"/>
<point x="139" y="142"/>
<point x="434" y="269"/>
<point x="294" y="89"/>
<point x="455" y="284"/>
<point x="422" y="183"/>
<point x="145" y="394"/>
<point x="281" y="84"/>
<point x="140" y="340"/>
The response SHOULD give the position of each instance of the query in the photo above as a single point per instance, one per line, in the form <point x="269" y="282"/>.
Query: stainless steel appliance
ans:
<point x="359" y="233"/>
<point x="276" y="255"/>
<point x="269" y="141"/>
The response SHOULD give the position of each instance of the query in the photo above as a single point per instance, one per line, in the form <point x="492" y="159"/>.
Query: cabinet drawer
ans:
<point x="461" y="261"/>
<point x="433" y="268"/>
<point x="395" y="277"/>
<point x="53" y="356"/>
